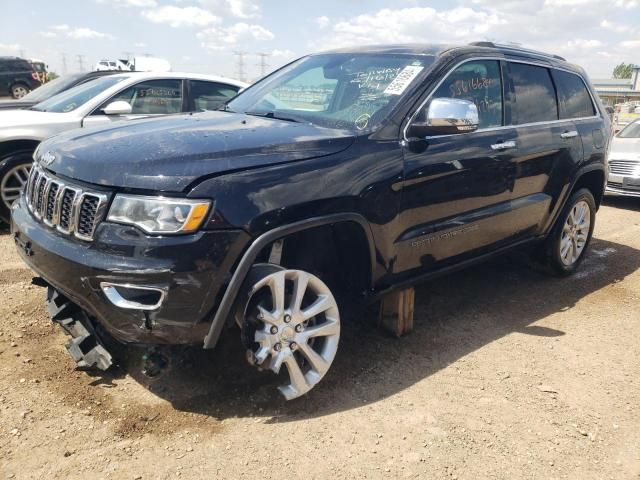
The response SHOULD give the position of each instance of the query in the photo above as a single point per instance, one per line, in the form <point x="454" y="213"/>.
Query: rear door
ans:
<point x="207" y="96"/>
<point x="547" y="147"/>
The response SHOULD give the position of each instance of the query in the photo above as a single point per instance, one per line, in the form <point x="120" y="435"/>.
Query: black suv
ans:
<point x="17" y="77"/>
<point x="334" y="180"/>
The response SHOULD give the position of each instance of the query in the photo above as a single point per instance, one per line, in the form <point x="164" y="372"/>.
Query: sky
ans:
<point x="202" y="35"/>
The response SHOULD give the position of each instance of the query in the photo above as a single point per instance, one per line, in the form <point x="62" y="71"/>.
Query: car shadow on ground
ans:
<point x="625" y="203"/>
<point x="454" y="316"/>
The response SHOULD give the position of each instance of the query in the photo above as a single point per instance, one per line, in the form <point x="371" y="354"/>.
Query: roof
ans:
<point x="190" y="76"/>
<point x="484" y="47"/>
<point x="612" y="82"/>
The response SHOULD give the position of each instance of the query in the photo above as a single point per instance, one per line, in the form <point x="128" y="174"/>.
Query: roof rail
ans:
<point x="515" y="48"/>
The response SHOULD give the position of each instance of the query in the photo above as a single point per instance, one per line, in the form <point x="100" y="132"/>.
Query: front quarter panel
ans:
<point x="363" y="179"/>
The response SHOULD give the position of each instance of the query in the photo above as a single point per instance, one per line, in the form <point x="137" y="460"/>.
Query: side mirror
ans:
<point x="446" y="116"/>
<point x="117" y="108"/>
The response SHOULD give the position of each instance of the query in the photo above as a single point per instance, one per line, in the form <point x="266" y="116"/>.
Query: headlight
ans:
<point x="159" y="214"/>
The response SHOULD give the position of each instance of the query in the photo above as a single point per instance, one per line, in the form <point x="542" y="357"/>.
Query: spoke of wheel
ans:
<point x="566" y="244"/>
<point x="277" y="293"/>
<point x="322" y="304"/>
<point x="267" y="316"/>
<point x="299" y="289"/>
<point x="326" y="329"/>
<point x="317" y="363"/>
<point x="298" y="382"/>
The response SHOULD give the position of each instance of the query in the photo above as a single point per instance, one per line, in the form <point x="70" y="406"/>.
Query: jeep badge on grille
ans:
<point x="47" y="159"/>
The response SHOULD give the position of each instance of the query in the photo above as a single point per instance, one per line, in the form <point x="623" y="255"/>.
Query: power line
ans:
<point x="240" y="65"/>
<point x="263" y="63"/>
<point x="64" y="63"/>
<point x="80" y="62"/>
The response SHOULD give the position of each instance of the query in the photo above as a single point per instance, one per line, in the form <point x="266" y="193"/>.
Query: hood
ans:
<point x="15" y="104"/>
<point x="29" y="118"/>
<point x="625" y="149"/>
<point x="170" y="153"/>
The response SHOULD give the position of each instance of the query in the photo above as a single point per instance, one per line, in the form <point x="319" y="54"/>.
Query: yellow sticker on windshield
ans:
<point x="402" y="81"/>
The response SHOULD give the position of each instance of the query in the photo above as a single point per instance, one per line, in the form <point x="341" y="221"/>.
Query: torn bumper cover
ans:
<point x="85" y="345"/>
<point x="123" y="267"/>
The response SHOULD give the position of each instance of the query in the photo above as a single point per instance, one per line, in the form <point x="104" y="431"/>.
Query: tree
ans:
<point x="623" y="70"/>
<point x="52" y="76"/>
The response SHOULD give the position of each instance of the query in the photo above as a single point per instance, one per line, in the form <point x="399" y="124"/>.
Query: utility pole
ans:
<point x="21" y="53"/>
<point x="240" y="65"/>
<point x="263" y="63"/>
<point x="64" y="63"/>
<point x="80" y="62"/>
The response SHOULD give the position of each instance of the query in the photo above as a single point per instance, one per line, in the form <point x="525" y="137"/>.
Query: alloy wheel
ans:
<point x="575" y="233"/>
<point x="13" y="183"/>
<point x="298" y="326"/>
<point x="19" y="91"/>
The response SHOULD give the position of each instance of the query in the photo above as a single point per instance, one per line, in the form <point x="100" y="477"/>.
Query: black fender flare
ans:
<point x="250" y="255"/>
<point x="570" y="187"/>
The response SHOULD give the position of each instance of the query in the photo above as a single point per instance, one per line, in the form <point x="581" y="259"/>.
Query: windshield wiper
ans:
<point x="273" y="115"/>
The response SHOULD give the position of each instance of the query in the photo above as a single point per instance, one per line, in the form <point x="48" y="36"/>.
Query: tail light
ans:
<point x="35" y="76"/>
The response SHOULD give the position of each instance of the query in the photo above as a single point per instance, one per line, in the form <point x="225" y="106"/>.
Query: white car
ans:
<point x="624" y="162"/>
<point x="113" y="98"/>
<point x="110" y="65"/>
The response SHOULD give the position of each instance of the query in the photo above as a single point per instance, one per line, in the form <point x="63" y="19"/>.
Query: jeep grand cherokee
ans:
<point x="336" y="179"/>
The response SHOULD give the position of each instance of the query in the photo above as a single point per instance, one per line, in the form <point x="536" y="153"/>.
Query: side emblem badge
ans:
<point x="47" y="159"/>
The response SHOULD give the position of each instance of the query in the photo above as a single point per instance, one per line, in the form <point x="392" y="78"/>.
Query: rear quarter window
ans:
<point x="534" y="92"/>
<point x="573" y="97"/>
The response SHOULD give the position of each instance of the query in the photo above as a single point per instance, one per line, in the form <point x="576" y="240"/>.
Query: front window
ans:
<point x="51" y="88"/>
<point x="77" y="96"/>
<point x="341" y="90"/>
<point x="631" y="131"/>
<point x="152" y="97"/>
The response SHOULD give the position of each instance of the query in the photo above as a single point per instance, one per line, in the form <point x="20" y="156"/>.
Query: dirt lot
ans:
<point x="509" y="374"/>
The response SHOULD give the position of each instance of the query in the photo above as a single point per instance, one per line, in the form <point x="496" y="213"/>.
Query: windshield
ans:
<point x="339" y="90"/>
<point x="51" y="88"/>
<point x="77" y="96"/>
<point x="631" y="131"/>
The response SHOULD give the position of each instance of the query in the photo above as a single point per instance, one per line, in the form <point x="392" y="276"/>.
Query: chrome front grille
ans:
<point x="626" y="168"/>
<point x="67" y="208"/>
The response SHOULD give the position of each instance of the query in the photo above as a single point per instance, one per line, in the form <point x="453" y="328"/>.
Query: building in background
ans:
<point x="614" y="91"/>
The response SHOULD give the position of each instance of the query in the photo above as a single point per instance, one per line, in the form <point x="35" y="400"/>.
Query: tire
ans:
<point x="566" y="246"/>
<point x="19" y="90"/>
<point x="291" y="320"/>
<point x="14" y="169"/>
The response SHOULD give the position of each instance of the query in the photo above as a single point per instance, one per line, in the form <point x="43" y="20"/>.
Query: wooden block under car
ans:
<point x="396" y="312"/>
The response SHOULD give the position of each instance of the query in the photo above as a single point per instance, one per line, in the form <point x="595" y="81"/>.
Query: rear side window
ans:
<point x="535" y="94"/>
<point x="210" y="95"/>
<point x="479" y="82"/>
<point x="573" y="97"/>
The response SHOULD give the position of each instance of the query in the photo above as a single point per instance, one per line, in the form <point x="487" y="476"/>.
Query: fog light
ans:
<point x="133" y="297"/>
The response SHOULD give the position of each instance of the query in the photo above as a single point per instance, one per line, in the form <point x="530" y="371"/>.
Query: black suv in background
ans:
<point x="17" y="77"/>
<point x="52" y="88"/>
<point x="337" y="178"/>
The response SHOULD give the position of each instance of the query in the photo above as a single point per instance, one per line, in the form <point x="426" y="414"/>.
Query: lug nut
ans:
<point x="277" y="347"/>
<point x="299" y="328"/>
<point x="287" y="318"/>
<point x="274" y="330"/>
<point x="293" y="346"/>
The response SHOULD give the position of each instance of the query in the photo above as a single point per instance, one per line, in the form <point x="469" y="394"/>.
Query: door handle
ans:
<point x="503" y="145"/>
<point x="569" y="134"/>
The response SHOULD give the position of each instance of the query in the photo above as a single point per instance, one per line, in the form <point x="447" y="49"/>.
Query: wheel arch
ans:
<point x="343" y="220"/>
<point x="594" y="180"/>
<point x="15" y="146"/>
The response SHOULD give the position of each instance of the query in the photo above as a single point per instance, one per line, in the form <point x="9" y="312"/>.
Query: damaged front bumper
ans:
<point x="140" y="289"/>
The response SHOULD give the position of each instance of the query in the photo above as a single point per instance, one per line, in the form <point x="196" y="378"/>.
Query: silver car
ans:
<point x="125" y="96"/>
<point x="624" y="162"/>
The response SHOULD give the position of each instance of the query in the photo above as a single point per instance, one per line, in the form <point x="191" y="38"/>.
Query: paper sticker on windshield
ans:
<point x="402" y="81"/>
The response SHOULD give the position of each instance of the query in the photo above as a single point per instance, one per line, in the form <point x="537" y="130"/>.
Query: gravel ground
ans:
<point x="509" y="374"/>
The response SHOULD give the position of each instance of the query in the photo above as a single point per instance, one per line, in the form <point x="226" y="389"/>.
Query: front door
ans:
<point x="457" y="190"/>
